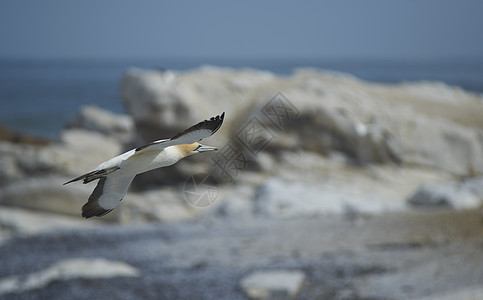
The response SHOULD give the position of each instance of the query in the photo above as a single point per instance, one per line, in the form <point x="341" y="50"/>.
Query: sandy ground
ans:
<point x="393" y="256"/>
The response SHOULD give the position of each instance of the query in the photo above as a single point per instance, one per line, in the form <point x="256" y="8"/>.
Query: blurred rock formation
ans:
<point x="342" y="144"/>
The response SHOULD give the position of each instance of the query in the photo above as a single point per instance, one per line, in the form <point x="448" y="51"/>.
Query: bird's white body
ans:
<point x="133" y="163"/>
<point x="127" y="165"/>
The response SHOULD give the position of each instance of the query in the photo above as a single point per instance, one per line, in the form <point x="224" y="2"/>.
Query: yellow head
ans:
<point x="190" y="149"/>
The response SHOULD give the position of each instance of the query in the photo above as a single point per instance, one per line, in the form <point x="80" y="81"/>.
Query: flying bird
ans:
<point x="116" y="174"/>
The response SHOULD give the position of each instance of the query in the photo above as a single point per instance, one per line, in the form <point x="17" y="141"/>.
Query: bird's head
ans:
<point x="190" y="149"/>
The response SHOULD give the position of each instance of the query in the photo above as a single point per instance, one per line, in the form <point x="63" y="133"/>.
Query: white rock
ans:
<point x="81" y="151"/>
<point x="266" y="284"/>
<point x="18" y="160"/>
<point x="279" y="198"/>
<point x="93" y="118"/>
<point x="47" y="194"/>
<point x="474" y="185"/>
<point x="445" y="194"/>
<point x="283" y="199"/>
<point x="78" y="152"/>
<point x="163" y="205"/>
<point x="368" y="122"/>
<point x="95" y="268"/>
<point x="9" y="170"/>
<point x="32" y="222"/>
<point x="162" y="107"/>
<point x="81" y="146"/>
<point x="307" y="184"/>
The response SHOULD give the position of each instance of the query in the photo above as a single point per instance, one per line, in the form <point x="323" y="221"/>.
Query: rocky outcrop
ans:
<point x="31" y="176"/>
<point x="46" y="194"/>
<point x="18" y="161"/>
<point x="21" y="221"/>
<point x="162" y="206"/>
<point x="342" y="145"/>
<point x="461" y="195"/>
<point x="306" y="184"/>
<point x="272" y="284"/>
<point x="323" y="112"/>
<point x="92" y="118"/>
<point x="68" y="269"/>
<point x="163" y="103"/>
<point x="78" y="151"/>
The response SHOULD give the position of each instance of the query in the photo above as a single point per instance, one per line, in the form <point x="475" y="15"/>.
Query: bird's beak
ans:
<point x="204" y="148"/>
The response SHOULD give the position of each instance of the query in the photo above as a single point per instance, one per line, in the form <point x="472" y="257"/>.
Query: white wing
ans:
<point x="191" y="135"/>
<point x="108" y="193"/>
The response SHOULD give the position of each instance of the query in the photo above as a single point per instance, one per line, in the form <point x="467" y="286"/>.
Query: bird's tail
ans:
<point x="93" y="175"/>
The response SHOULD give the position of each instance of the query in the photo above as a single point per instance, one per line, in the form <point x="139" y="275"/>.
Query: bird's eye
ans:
<point x="199" y="146"/>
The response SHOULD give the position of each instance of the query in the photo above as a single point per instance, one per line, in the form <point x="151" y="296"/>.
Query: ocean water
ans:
<point x="39" y="97"/>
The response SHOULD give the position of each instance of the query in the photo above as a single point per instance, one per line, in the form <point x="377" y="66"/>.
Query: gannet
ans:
<point x="116" y="174"/>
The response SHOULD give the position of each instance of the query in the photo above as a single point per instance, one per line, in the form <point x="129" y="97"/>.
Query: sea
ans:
<point x="38" y="97"/>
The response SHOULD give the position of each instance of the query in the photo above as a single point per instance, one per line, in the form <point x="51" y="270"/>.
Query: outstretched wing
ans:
<point x="93" y="175"/>
<point x="191" y="135"/>
<point x="108" y="193"/>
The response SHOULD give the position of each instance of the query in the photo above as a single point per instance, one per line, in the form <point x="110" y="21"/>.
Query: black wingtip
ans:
<point x="221" y="117"/>
<point x="217" y="118"/>
<point x="90" y="210"/>
<point x="219" y="121"/>
<point x="70" y="181"/>
<point x="84" y="176"/>
<point x="92" y="207"/>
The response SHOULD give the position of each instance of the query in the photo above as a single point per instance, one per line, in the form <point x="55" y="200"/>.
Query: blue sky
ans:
<point x="337" y="29"/>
